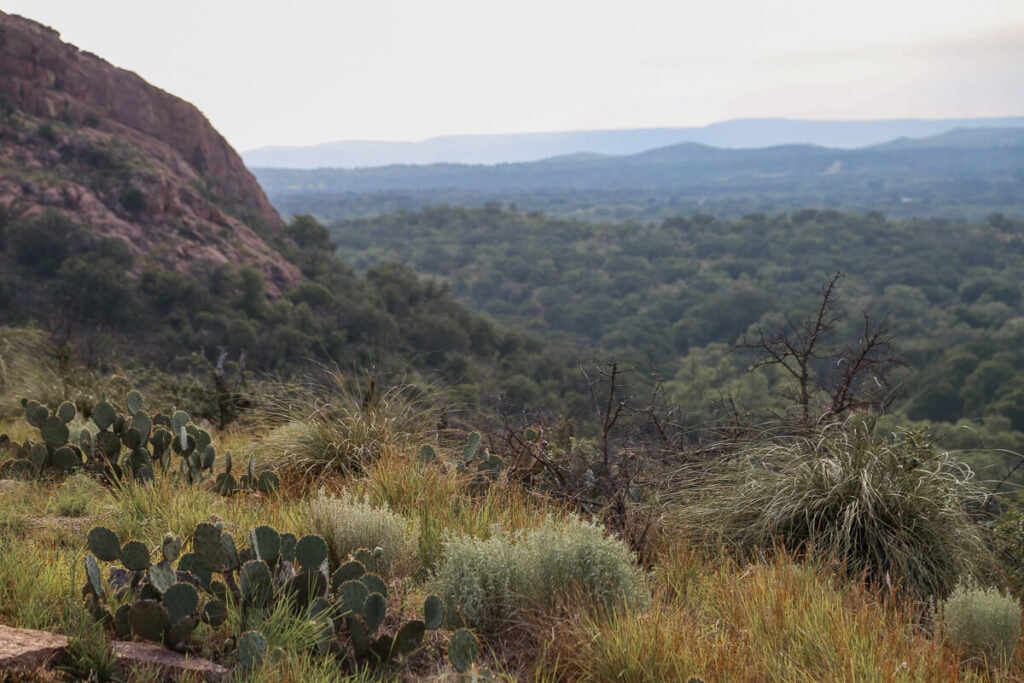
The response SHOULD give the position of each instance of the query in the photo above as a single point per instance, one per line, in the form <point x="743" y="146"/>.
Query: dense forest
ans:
<point x="676" y="295"/>
<point x="82" y="290"/>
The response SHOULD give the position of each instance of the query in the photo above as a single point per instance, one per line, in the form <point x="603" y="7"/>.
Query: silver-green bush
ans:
<point x="982" y="622"/>
<point x="348" y="524"/>
<point x="483" y="582"/>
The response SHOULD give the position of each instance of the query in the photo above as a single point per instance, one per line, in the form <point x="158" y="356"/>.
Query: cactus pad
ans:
<point x="135" y="556"/>
<point x="252" y="649"/>
<point x="374" y="610"/>
<point x="266" y="542"/>
<point x="39" y="455"/>
<point x="148" y="620"/>
<point x="304" y="587"/>
<point x="103" y="543"/>
<point x="180" y="631"/>
<point x="256" y="583"/>
<point x="171" y="547"/>
<point x="103" y="414"/>
<point x="351" y="597"/>
<point x="374" y="584"/>
<point x="206" y="544"/>
<point x="433" y="612"/>
<point x="162" y="576"/>
<point x="134" y="402"/>
<point x="352" y="569"/>
<point x="92" y="574"/>
<point x="472" y="447"/>
<point x="311" y="552"/>
<point x="121" y="623"/>
<point x="66" y="459"/>
<point x="409" y="636"/>
<point x="268" y="482"/>
<point x="180" y="600"/>
<point x="66" y="412"/>
<point x="463" y="649"/>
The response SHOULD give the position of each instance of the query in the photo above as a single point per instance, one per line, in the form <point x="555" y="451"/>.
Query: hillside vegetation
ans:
<point x="677" y="294"/>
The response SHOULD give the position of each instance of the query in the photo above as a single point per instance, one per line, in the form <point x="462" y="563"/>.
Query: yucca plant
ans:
<point x="893" y="510"/>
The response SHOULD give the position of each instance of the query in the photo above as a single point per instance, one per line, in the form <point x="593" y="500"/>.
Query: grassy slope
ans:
<point x="711" y="617"/>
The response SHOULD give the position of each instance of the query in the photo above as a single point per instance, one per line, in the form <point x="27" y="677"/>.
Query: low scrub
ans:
<point x="892" y="510"/>
<point x="484" y="582"/>
<point x="982" y="622"/>
<point x="348" y="524"/>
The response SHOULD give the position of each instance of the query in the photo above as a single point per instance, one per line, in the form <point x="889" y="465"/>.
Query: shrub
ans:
<point x="982" y="622"/>
<point x="348" y="524"/>
<point x="891" y="510"/>
<point x="483" y="582"/>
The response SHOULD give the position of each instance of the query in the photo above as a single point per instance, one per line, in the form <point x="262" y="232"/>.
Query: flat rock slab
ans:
<point x="23" y="649"/>
<point x="132" y="656"/>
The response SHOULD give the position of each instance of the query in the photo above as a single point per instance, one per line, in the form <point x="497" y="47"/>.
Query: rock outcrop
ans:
<point x="126" y="159"/>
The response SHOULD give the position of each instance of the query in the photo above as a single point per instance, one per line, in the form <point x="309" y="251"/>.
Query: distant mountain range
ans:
<point x="967" y="172"/>
<point x="526" y="147"/>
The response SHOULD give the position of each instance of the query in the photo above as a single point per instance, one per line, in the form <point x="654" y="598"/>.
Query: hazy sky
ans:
<point x="310" y="71"/>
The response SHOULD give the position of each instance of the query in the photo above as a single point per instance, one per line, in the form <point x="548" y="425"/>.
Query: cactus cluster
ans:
<point x="54" y="451"/>
<point x="349" y="605"/>
<point x="266" y="481"/>
<point x="131" y="443"/>
<point x="165" y="606"/>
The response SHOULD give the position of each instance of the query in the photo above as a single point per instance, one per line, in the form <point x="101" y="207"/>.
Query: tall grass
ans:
<point x="339" y="425"/>
<point x="893" y="510"/>
<point x="722" y="620"/>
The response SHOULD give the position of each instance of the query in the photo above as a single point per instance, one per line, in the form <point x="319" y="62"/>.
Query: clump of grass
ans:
<point x="484" y="582"/>
<point x="342" y="426"/>
<point x="88" y="648"/>
<point x="722" y="620"/>
<point x="892" y="510"/>
<point x="348" y="524"/>
<point x="982" y="622"/>
<point x="146" y="510"/>
<point x="78" y="496"/>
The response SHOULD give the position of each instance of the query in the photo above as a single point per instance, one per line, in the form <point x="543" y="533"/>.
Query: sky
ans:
<point x="312" y="71"/>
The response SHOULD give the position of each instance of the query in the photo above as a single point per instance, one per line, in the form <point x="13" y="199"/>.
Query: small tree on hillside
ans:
<point x="827" y="381"/>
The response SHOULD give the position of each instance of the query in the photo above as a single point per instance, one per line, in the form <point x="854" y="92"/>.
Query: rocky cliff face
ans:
<point x="126" y="159"/>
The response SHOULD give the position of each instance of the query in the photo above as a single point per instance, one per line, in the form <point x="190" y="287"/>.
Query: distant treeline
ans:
<point x="964" y="174"/>
<point x="677" y="293"/>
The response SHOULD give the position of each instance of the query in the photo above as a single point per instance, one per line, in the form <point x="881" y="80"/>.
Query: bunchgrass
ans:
<point x="893" y="510"/>
<point x="79" y="495"/>
<point x="341" y="425"/>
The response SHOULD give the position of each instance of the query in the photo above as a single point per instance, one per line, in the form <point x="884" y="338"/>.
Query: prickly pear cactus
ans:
<point x="463" y="649"/>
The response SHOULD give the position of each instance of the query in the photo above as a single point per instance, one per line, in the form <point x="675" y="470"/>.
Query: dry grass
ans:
<point x="726" y="621"/>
